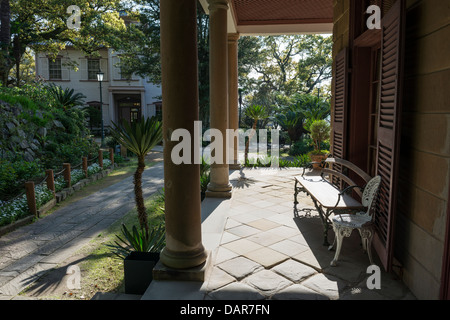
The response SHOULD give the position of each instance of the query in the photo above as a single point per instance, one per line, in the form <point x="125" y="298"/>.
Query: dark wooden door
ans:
<point x="338" y="148"/>
<point x="388" y="132"/>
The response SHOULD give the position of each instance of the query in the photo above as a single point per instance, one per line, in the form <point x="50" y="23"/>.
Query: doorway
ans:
<point x="129" y="108"/>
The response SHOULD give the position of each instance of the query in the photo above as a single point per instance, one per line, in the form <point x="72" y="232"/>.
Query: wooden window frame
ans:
<point x="52" y="63"/>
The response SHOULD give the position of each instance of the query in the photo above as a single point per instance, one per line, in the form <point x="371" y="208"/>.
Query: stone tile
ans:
<point x="263" y="224"/>
<point x="288" y="247"/>
<point x="236" y="291"/>
<point x="218" y="278"/>
<point x="318" y="259"/>
<point x="243" y="231"/>
<point x="240" y="267"/>
<point x="265" y="238"/>
<point x="174" y="290"/>
<point x="242" y="246"/>
<point x="245" y="218"/>
<point x="327" y="285"/>
<point x="231" y="223"/>
<point x="294" y="271"/>
<point x="262" y="213"/>
<point x="266" y="257"/>
<point x="348" y="270"/>
<point x="284" y="219"/>
<point x="298" y="292"/>
<point x="228" y="237"/>
<point x="223" y="254"/>
<point x="285" y="232"/>
<point x="267" y="282"/>
<point x="262" y="204"/>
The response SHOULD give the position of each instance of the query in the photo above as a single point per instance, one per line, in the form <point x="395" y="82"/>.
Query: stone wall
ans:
<point x="19" y="135"/>
<point x="425" y="147"/>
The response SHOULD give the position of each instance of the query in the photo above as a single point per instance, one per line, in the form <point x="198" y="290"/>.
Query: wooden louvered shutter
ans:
<point x="388" y="137"/>
<point x="338" y="148"/>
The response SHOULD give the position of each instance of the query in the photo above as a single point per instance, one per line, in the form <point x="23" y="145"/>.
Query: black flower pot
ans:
<point x="138" y="271"/>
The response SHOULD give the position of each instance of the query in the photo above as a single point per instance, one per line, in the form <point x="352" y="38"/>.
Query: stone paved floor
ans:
<point x="260" y="250"/>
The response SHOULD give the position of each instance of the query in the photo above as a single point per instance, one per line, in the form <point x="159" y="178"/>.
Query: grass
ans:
<point x="102" y="271"/>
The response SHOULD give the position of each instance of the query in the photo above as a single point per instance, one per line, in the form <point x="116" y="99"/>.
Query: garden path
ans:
<point x="28" y="253"/>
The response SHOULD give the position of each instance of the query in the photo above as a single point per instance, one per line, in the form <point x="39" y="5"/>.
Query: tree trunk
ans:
<point x="142" y="214"/>
<point x="247" y="144"/>
<point x="5" y="39"/>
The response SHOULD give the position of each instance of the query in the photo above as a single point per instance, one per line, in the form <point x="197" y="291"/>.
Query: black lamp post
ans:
<point x="100" y="80"/>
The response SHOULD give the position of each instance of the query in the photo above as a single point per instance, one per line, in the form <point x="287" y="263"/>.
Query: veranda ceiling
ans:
<point x="251" y="17"/>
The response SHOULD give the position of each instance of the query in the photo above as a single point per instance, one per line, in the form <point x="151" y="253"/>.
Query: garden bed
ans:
<point x="16" y="213"/>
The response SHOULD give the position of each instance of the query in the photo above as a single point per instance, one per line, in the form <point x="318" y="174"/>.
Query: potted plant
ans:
<point x="140" y="248"/>
<point x="320" y="132"/>
<point x="140" y="253"/>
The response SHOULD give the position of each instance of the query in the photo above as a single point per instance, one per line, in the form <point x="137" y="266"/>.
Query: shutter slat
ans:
<point x="389" y="129"/>
<point x="338" y="147"/>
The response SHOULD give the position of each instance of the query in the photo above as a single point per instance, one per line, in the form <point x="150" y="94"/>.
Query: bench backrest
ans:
<point x="328" y="169"/>
<point x="370" y="192"/>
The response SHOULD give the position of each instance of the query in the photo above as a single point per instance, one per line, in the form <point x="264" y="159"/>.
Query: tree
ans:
<point x="67" y="98"/>
<point x="285" y="66"/>
<point x="42" y="26"/>
<point x="320" y="132"/>
<point x="5" y="40"/>
<point x="140" y="138"/>
<point x="255" y="112"/>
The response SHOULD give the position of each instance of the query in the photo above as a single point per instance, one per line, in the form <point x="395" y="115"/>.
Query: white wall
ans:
<point x="78" y="80"/>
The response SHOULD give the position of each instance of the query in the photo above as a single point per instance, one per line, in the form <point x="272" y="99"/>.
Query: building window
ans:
<point x="124" y="75"/>
<point x="93" y="68"/>
<point x="54" y="69"/>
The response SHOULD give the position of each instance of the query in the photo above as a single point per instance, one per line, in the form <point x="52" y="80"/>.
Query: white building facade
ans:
<point x="123" y="97"/>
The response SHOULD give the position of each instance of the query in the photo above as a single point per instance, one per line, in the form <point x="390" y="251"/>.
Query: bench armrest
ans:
<point x="345" y="191"/>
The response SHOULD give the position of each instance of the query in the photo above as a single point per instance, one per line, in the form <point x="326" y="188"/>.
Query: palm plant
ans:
<point x="139" y="137"/>
<point x="255" y="112"/>
<point x="137" y="241"/>
<point x="67" y="98"/>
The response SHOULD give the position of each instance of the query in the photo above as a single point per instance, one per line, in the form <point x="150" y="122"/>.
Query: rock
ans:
<point x="39" y="114"/>
<point x="21" y="133"/>
<point x="24" y="144"/>
<point x="42" y="132"/>
<point x="28" y="156"/>
<point x="10" y="126"/>
<point x="34" y="147"/>
<point x="58" y="124"/>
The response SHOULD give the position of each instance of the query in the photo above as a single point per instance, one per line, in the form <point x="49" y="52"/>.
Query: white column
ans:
<point x="218" y="9"/>
<point x="233" y="94"/>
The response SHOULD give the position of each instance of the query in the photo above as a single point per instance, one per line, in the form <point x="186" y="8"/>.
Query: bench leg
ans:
<point x="340" y="232"/>
<point x="324" y="217"/>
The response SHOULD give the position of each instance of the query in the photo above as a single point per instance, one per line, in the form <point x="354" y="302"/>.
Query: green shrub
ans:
<point x="13" y="175"/>
<point x="303" y="146"/>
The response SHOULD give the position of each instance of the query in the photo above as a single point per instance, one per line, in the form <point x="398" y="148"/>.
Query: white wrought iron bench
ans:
<point x="328" y="189"/>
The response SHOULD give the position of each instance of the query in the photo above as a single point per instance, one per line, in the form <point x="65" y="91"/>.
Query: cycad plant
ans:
<point x="67" y="98"/>
<point x="255" y="112"/>
<point x="139" y="137"/>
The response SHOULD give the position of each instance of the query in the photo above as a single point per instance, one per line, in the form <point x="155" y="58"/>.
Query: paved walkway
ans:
<point x="261" y="251"/>
<point x="33" y="250"/>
